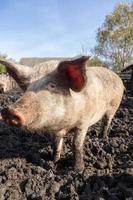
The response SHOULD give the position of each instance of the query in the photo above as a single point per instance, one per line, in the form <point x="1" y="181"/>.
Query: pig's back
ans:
<point x="105" y="81"/>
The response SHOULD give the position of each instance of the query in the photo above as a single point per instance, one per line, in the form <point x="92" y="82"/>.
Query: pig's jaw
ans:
<point x="47" y="123"/>
<point x="34" y="125"/>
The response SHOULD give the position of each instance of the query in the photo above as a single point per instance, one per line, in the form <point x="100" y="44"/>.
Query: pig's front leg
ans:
<point x="57" y="145"/>
<point x="57" y="148"/>
<point x="78" y="142"/>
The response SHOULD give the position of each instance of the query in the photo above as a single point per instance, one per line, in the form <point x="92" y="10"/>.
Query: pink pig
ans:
<point x="64" y="95"/>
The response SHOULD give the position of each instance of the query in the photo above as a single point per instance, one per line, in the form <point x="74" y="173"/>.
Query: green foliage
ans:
<point x="115" y="37"/>
<point x="2" y="69"/>
<point x="95" y="61"/>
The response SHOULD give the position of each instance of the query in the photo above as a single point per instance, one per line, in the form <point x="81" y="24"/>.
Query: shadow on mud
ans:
<point x="15" y="142"/>
<point x="36" y="148"/>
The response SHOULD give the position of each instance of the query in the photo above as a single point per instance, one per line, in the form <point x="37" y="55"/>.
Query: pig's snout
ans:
<point x="23" y="112"/>
<point x="12" y="117"/>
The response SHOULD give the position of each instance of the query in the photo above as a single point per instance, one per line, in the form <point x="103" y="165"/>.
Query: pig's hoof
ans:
<point x="56" y="159"/>
<point x="105" y="137"/>
<point x="79" y="168"/>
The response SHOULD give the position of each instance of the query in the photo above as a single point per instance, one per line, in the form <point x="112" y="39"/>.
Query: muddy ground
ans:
<point x="28" y="172"/>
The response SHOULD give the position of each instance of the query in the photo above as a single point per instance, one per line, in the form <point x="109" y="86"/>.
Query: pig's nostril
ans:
<point x="12" y="117"/>
<point x="15" y="120"/>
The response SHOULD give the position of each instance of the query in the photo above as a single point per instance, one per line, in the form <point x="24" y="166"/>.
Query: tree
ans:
<point x="95" y="61"/>
<point x="115" y="37"/>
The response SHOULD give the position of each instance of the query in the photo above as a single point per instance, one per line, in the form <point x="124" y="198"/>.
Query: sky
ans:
<point x="51" y="28"/>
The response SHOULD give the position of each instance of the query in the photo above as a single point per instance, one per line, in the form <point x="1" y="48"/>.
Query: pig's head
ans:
<point x="46" y="99"/>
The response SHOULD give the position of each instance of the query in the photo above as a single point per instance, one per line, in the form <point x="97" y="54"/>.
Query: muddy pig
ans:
<point x="64" y="95"/>
<point x="7" y="83"/>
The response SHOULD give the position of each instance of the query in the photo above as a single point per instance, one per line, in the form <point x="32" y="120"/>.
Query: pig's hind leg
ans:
<point x="111" y="110"/>
<point x="107" y="119"/>
<point x="106" y="122"/>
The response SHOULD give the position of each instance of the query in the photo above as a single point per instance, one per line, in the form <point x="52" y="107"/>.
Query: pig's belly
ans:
<point x="95" y="115"/>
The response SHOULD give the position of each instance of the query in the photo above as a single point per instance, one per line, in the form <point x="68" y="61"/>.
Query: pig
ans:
<point x="63" y="95"/>
<point x="7" y="83"/>
<point x="2" y="87"/>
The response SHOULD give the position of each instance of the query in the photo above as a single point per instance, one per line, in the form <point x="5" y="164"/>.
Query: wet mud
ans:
<point x="27" y="171"/>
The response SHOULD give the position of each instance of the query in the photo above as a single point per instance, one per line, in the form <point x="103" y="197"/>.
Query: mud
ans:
<point x="27" y="171"/>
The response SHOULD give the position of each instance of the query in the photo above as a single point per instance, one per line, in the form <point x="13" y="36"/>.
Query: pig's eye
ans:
<point x="51" y="86"/>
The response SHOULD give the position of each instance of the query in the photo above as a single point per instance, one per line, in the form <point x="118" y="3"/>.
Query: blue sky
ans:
<point x="41" y="28"/>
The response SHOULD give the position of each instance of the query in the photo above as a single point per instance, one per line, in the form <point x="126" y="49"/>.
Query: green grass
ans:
<point x="2" y="69"/>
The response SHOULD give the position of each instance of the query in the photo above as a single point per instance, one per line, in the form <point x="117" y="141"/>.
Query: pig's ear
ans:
<point x="74" y="73"/>
<point x="20" y="73"/>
